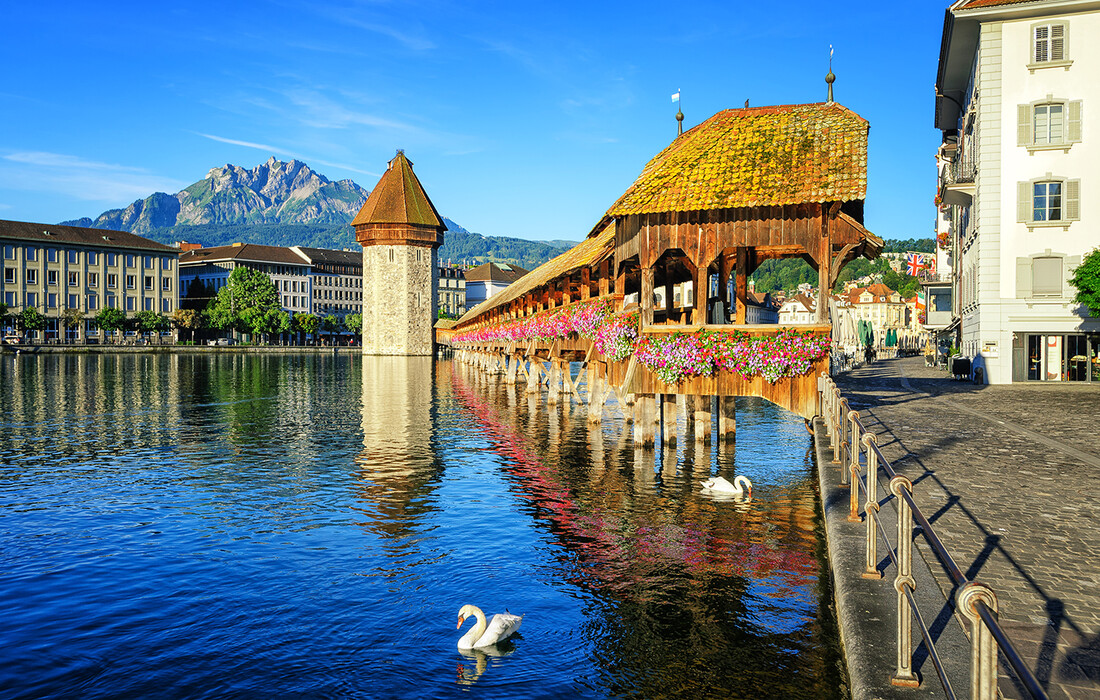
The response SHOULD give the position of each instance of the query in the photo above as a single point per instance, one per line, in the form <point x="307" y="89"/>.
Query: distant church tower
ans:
<point x="400" y="232"/>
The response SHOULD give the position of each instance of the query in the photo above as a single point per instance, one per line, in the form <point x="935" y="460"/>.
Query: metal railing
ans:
<point x="856" y="450"/>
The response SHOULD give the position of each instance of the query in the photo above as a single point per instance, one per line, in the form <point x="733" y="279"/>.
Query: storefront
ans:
<point x="1056" y="357"/>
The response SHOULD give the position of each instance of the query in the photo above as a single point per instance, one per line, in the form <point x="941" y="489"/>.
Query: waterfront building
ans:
<point x="452" y="290"/>
<point x="1020" y="158"/>
<point x="337" y="280"/>
<point x="490" y="278"/>
<point x="400" y="231"/>
<point x="288" y="270"/>
<point x="798" y="309"/>
<point x="72" y="272"/>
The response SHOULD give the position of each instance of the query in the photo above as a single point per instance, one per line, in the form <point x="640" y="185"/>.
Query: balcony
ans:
<point x="957" y="180"/>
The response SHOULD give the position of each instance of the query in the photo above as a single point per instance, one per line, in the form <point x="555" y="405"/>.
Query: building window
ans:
<point x="131" y="304"/>
<point x="111" y="302"/>
<point x="9" y="275"/>
<point x="74" y="279"/>
<point x="1049" y="201"/>
<point x="131" y="281"/>
<point x="1046" y="277"/>
<point x="73" y="257"/>
<point x="30" y="254"/>
<point x="93" y="279"/>
<point x="148" y="303"/>
<point x="9" y="298"/>
<point x="112" y="280"/>
<point x="51" y="277"/>
<point x="93" y="257"/>
<point x="129" y="261"/>
<point x="1049" y="43"/>
<point x="112" y="259"/>
<point x="51" y="255"/>
<point x="32" y="299"/>
<point x="166" y="284"/>
<point x="166" y="263"/>
<point x="74" y="301"/>
<point x="51" y="300"/>
<point x="149" y="265"/>
<point x="149" y="282"/>
<point x="9" y="252"/>
<point x="1049" y="124"/>
<point x="92" y="302"/>
<point x="31" y="276"/>
<point x="166" y="306"/>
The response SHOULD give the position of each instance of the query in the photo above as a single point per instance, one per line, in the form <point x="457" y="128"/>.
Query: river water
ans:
<point x="294" y="526"/>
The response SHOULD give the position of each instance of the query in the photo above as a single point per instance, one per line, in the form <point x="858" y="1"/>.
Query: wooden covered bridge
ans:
<point x="654" y="301"/>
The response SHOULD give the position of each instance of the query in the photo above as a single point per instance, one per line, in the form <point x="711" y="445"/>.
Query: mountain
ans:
<point x="274" y="192"/>
<point x="284" y="204"/>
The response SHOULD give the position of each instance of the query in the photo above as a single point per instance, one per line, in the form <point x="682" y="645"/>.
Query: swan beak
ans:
<point x="461" y="619"/>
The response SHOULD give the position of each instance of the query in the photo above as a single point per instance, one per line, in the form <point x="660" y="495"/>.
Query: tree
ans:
<point x="199" y="295"/>
<point x="110" y="319"/>
<point x="244" y="301"/>
<point x="30" y="319"/>
<point x="187" y="319"/>
<point x="72" y="318"/>
<point x="270" y="321"/>
<point x="3" y="314"/>
<point x="150" y="322"/>
<point x="1086" y="279"/>
<point x="306" y="323"/>
<point x="354" y="323"/>
<point x="330" y="324"/>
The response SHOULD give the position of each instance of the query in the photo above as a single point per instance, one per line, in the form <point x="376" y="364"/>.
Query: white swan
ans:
<point x="720" y="485"/>
<point x="486" y="634"/>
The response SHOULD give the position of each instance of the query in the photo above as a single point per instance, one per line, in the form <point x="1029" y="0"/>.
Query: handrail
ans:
<point x="976" y="601"/>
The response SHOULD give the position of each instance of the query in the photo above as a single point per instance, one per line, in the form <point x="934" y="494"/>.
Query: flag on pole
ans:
<point x="676" y="96"/>
<point x="920" y="301"/>
<point x="914" y="263"/>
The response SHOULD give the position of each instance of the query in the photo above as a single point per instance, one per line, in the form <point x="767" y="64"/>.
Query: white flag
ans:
<point x="676" y="96"/>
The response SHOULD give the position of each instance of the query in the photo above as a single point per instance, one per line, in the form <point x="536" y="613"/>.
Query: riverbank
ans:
<point x="1007" y="476"/>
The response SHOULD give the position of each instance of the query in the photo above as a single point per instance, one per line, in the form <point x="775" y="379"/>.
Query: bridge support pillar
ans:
<point x="669" y="420"/>
<point x="533" y="372"/>
<point x="644" y="413"/>
<point x="727" y="418"/>
<point x="703" y="408"/>
<point x="553" y="386"/>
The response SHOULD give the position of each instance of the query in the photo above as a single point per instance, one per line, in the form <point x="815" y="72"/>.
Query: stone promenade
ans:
<point x="1009" y="476"/>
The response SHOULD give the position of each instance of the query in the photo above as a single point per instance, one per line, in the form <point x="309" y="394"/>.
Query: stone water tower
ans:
<point x="400" y="232"/>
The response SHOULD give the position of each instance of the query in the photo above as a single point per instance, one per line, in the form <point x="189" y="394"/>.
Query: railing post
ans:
<point x="838" y="415"/>
<point x="870" y="570"/>
<point x="854" y="467"/>
<point x="904" y="675"/>
<point x="983" y="650"/>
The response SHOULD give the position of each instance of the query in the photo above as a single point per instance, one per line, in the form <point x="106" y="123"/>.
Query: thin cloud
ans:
<point x="42" y="171"/>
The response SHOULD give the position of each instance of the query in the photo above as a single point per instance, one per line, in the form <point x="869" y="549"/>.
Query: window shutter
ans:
<point x="1071" y="262"/>
<point x="1023" y="278"/>
<point x="1057" y="42"/>
<point x="1073" y="123"/>
<point x="1023" y="128"/>
<point x="1023" y="201"/>
<point x="1041" y="35"/>
<point x="1073" y="200"/>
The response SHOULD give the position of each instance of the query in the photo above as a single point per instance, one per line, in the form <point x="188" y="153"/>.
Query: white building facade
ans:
<point x="1017" y="101"/>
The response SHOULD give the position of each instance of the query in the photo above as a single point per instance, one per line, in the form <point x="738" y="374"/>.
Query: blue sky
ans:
<point x="522" y="119"/>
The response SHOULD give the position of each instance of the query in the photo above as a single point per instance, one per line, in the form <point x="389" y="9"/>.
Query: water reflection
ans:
<point x="697" y="586"/>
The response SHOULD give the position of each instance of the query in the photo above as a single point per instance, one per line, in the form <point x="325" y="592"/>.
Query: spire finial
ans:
<point x="830" y="77"/>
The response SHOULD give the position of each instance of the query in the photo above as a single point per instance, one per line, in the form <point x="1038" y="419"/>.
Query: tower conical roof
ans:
<point x="399" y="198"/>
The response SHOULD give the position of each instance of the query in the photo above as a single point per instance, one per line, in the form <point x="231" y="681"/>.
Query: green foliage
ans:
<point x="354" y="323"/>
<point x="916" y="245"/>
<point x="244" y="302"/>
<point x="111" y="319"/>
<point x="786" y="274"/>
<point x="150" y="322"/>
<point x="72" y="318"/>
<point x="270" y="320"/>
<point x="306" y="323"/>
<point x="330" y="324"/>
<point x="199" y="295"/>
<point x="1086" y="279"/>
<point x="30" y="319"/>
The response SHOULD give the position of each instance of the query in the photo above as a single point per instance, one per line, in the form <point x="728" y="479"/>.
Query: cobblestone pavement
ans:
<point x="1009" y="477"/>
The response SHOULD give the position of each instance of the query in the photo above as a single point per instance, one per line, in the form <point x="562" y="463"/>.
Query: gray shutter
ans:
<point x="1073" y="200"/>
<point x="1071" y="263"/>
<point x="1057" y="42"/>
<point x="1023" y="201"/>
<point x="1073" y="121"/>
<point x="1023" y="278"/>
<point x="1023" y="128"/>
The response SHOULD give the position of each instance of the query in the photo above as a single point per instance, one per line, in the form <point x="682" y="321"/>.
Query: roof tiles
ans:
<point x="757" y="156"/>
<point x="399" y="198"/>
